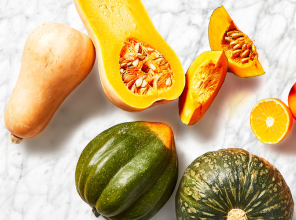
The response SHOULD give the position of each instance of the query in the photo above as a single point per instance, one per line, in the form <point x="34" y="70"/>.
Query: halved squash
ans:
<point x="138" y="69"/>
<point x="239" y="49"/>
<point x="203" y="81"/>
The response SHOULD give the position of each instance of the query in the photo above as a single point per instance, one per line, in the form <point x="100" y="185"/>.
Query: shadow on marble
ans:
<point x="205" y="129"/>
<point x="166" y="113"/>
<point x="288" y="145"/>
<point x="85" y="102"/>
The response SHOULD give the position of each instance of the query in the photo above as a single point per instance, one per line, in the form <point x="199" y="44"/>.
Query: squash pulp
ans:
<point x="113" y="23"/>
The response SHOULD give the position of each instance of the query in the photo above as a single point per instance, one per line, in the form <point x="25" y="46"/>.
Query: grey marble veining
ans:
<point x="37" y="176"/>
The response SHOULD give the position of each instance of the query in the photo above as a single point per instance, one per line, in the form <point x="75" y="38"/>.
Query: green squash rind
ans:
<point x="219" y="181"/>
<point x="127" y="172"/>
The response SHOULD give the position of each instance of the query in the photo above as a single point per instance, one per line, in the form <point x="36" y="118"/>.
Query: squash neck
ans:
<point x="237" y="214"/>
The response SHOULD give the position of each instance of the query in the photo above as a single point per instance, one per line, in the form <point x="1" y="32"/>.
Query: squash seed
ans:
<point x="238" y="46"/>
<point x="245" y="60"/>
<point x="245" y="53"/>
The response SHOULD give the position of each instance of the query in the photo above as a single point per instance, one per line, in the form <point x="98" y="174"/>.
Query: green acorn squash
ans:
<point x="128" y="171"/>
<point x="233" y="184"/>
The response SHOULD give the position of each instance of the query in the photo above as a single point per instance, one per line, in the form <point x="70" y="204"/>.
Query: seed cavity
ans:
<point x="143" y="69"/>
<point x="241" y="48"/>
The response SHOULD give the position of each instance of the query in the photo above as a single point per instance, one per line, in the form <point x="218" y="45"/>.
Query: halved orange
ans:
<point x="271" y="121"/>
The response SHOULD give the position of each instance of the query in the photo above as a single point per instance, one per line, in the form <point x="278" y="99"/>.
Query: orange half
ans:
<point x="271" y="121"/>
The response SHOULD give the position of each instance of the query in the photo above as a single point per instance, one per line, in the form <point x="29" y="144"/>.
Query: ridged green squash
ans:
<point x="128" y="171"/>
<point x="233" y="184"/>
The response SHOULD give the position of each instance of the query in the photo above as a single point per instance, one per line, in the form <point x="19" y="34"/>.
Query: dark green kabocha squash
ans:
<point x="129" y="171"/>
<point x="233" y="184"/>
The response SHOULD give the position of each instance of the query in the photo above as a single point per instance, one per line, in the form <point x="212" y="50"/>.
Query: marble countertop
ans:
<point x="37" y="176"/>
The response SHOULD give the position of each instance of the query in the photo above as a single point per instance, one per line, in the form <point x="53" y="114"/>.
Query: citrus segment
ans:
<point x="271" y="121"/>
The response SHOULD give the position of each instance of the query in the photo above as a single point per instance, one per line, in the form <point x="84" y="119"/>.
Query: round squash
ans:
<point x="138" y="69"/>
<point x="129" y="171"/>
<point x="239" y="49"/>
<point x="204" y="78"/>
<point x="56" y="59"/>
<point x="233" y="184"/>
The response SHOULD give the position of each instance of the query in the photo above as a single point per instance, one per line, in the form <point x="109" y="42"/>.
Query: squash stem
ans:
<point x="237" y="214"/>
<point x="94" y="210"/>
<point x="15" y="139"/>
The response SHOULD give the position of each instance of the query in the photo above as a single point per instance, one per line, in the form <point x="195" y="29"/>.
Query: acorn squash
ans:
<point x="129" y="171"/>
<point x="138" y="69"/>
<point x="233" y="184"/>
<point x="203" y="81"/>
<point x="240" y="50"/>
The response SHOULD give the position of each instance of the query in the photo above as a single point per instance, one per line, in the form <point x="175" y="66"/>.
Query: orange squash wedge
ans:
<point x="203" y="81"/>
<point x="239" y="49"/>
<point x="138" y="69"/>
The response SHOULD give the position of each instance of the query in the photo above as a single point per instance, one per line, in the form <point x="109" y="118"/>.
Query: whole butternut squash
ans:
<point x="55" y="60"/>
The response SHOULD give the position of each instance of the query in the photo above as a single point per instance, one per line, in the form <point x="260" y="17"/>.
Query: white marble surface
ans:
<point x="37" y="176"/>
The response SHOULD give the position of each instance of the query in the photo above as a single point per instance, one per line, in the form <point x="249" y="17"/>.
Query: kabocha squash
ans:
<point x="138" y="69"/>
<point x="233" y="184"/>
<point x="240" y="50"/>
<point x="55" y="60"/>
<point x="292" y="100"/>
<point x="129" y="171"/>
<point x="203" y="81"/>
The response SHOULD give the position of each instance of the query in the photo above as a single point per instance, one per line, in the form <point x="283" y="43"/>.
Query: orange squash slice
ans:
<point x="271" y="121"/>
<point x="203" y="81"/>
<point x="239" y="49"/>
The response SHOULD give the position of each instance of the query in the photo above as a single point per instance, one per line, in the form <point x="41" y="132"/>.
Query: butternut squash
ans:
<point x="138" y="69"/>
<point x="55" y="60"/>
<point x="203" y="80"/>
<point x="240" y="50"/>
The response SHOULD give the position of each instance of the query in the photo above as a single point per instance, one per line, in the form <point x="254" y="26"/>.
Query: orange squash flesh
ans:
<point x="220" y="24"/>
<point x="203" y="81"/>
<point x="292" y="100"/>
<point x="110" y="24"/>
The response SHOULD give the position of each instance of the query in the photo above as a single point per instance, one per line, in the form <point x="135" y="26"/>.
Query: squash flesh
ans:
<point x="110" y="24"/>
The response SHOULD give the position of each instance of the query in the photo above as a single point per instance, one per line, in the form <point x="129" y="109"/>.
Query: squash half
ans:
<point x="203" y="80"/>
<point x="113" y="23"/>
<point x="239" y="49"/>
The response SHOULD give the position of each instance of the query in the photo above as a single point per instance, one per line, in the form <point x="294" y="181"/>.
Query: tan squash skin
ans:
<point x="56" y="59"/>
<point x="108" y="36"/>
